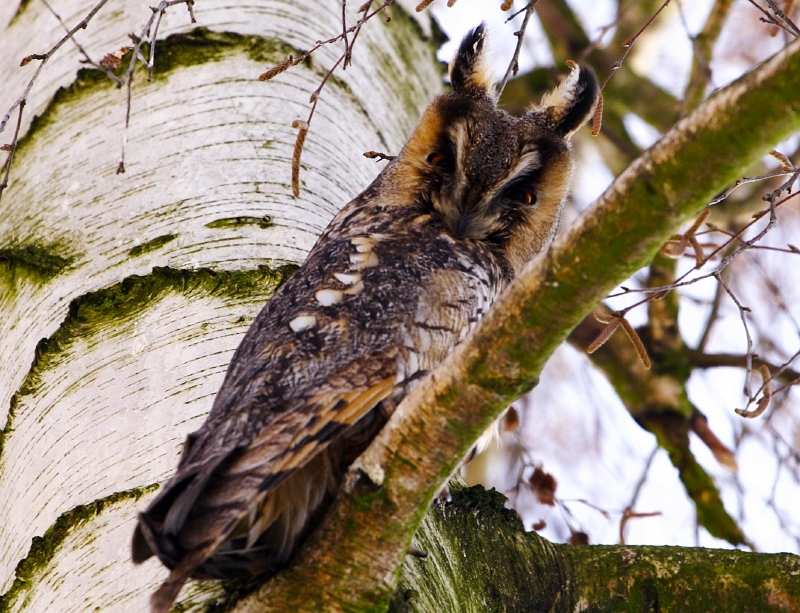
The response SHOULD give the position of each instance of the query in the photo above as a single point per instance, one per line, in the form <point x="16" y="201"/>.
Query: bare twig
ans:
<point x="724" y="195"/>
<point x="513" y="66"/>
<point x="44" y="57"/>
<point x="87" y="59"/>
<point x="627" y="512"/>
<point x="743" y="310"/>
<point x="126" y="78"/>
<point x="121" y="165"/>
<point x="22" y="100"/>
<point x="783" y="17"/>
<point x="345" y="58"/>
<point x="628" y="44"/>
<point x="772" y="20"/>
<point x="13" y="148"/>
<point x="749" y="244"/>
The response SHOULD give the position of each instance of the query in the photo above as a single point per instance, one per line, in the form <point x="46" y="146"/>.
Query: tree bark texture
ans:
<point x="123" y="296"/>
<point x="479" y="559"/>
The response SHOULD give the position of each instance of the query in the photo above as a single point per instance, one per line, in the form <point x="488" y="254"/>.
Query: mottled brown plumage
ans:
<point x="398" y="278"/>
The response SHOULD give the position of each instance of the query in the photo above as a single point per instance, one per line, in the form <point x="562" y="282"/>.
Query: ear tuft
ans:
<point x="570" y="105"/>
<point x="470" y="69"/>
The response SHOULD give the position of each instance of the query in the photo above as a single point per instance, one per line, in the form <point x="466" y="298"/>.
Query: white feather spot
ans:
<point x="327" y="297"/>
<point x="363" y="244"/>
<point x="363" y="260"/>
<point x="303" y="322"/>
<point x="400" y="375"/>
<point x="412" y="363"/>
<point x="346" y="278"/>
<point x="355" y="289"/>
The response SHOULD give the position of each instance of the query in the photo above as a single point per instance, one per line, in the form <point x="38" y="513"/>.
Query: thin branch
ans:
<point x="13" y="148"/>
<point x="772" y="20"/>
<point x="749" y="244"/>
<point x="121" y="165"/>
<point x="628" y="44"/>
<point x="743" y="310"/>
<point x="744" y="180"/>
<point x="627" y="512"/>
<point x="126" y="78"/>
<point x="87" y="59"/>
<point x="44" y="57"/>
<point x="783" y="17"/>
<point x="344" y="58"/>
<point x="513" y="66"/>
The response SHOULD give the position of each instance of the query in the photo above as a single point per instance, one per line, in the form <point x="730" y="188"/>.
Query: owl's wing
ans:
<point x="363" y="319"/>
<point x="208" y="498"/>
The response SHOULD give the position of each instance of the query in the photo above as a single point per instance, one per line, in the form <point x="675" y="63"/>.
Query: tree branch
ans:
<point x="354" y="557"/>
<point x="479" y="556"/>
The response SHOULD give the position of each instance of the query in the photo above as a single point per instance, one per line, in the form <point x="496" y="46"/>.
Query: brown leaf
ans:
<point x="110" y="61"/>
<point x="543" y="485"/>
<point x="298" y="151"/>
<point x="597" y="117"/>
<point x="698" y="222"/>
<point x="601" y="339"/>
<point x="723" y="455"/>
<point x="511" y="420"/>
<point x="786" y="164"/>
<point x="33" y="56"/>
<point x="637" y="342"/>
<point x="699" y="254"/>
<point x="675" y="247"/>
<point x="275" y="70"/>
<point x="578" y="538"/>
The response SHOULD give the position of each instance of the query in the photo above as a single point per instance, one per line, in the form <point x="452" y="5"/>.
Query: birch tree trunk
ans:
<point x="123" y="296"/>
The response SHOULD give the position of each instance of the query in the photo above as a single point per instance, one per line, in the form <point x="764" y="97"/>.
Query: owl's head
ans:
<point x="487" y="175"/>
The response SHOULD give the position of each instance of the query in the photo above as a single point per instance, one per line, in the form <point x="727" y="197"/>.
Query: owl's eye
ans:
<point x="520" y="195"/>
<point x="441" y="160"/>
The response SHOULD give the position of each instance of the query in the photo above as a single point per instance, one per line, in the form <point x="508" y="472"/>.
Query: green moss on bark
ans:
<point x="152" y="245"/>
<point x="479" y="559"/>
<point x="44" y="548"/>
<point x="34" y="262"/>
<point x="237" y="222"/>
<point x="118" y="303"/>
<point x="193" y="48"/>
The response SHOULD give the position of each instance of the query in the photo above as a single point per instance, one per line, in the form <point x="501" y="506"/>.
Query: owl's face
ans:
<point x="489" y="176"/>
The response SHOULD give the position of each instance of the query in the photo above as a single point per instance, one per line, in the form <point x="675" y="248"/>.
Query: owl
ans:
<point x="398" y="278"/>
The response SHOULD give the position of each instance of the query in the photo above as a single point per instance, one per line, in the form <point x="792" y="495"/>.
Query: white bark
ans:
<point x="103" y="410"/>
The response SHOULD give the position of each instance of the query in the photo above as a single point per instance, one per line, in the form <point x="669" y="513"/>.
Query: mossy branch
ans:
<point x="353" y="561"/>
<point x="480" y="559"/>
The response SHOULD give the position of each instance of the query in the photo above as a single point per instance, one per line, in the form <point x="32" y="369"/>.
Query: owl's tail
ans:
<point x="204" y="527"/>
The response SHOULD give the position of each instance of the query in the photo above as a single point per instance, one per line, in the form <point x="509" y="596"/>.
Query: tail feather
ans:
<point x="162" y="599"/>
<point x="190" y="489"/>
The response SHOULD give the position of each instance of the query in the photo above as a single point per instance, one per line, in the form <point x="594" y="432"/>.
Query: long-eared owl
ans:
<point x="398" y="278"/>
